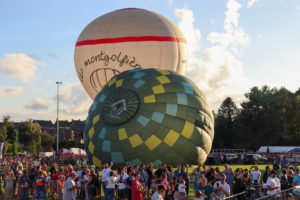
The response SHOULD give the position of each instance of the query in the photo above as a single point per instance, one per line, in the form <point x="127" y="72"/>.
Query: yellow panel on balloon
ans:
<point x="149" y="99"/>
<point x="171" y="138"/>
<point x="91" y="132"/>
<point x="122" y="134"/>
<point x="158" y="89"/>
<point x="188" y="129"/>
<point x="152" y="142"/>
<point x="135" y="140"/>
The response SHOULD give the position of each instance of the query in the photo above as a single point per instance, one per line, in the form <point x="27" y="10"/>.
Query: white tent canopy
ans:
<point x="276" y="149"/>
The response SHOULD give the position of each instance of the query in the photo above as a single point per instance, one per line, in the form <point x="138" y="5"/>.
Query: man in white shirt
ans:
<point x="70" y="188"/>
<point x="221" y="188"/>
<point x="121" y="179"/>
<point x="105" y="174"/>
<point x="160" y="193"/>
<point x="255" y="174"/>
<point x="272" y="184"/>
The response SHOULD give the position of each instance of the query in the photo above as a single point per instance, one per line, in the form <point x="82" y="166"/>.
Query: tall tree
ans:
<point x="225" y="129"/>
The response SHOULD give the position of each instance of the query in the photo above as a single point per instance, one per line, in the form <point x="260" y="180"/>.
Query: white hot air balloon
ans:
<point x="126" y="39"/>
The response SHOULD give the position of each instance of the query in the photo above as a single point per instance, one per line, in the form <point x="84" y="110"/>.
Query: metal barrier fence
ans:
<point x="250" y="194"/>
<point x="284" y="194"/>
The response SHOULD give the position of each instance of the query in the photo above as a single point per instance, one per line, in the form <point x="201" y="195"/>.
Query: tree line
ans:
<point x="26" y="136"/>
<point x="267" y="117"/>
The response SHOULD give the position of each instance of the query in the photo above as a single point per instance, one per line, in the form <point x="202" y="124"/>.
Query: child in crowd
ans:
<point x="60" y="187"/>
<point x="199" y="195"/>
<point x="181" y="188"/>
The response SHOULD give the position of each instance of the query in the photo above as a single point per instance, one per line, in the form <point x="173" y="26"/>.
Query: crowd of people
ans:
<point x="37" y="180"/>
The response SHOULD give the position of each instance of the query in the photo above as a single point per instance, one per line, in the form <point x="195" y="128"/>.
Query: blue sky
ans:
<point x="234" y="45"/>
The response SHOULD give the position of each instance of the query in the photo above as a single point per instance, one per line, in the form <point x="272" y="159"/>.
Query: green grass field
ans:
<point x="191" y="190"/>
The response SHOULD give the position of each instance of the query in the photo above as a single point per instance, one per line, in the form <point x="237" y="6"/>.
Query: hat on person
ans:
<point x="73" y="173"/>
<point x="92" y="166"/>
<point x="296" y="193"/>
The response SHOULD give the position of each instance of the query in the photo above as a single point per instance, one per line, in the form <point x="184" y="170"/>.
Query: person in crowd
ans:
<point x="19" y="175"/>
<point x="162" y="170"/>
<point x="24" y="185"/>
<point x="92" y="184"/>
<point x="182" y="188"/>
<point x="170" y="173"/>
<point x="221" y="188"/>
<point x="137" y="188"/>
<point x="239" y="184"/>
<point x="31" y="177"/>
<point x="296" y="179"/>
<point x="211" y="176"/>
<point x="121" y="180"/>
<point x="203" y="187"/>
<point x="284" y="183"/>
<point x="199" y="195"/>
<point x="143" y="176"/>
<point x="196" y="175"/>
<point x="47" y="181"/>
<point x="159" y="194"/>
<point x="272" y="184"/>
<point x="266" y="174"/>
<point x="177" y="171"/>
<point x="85" y="179"/>
<point x="255" y="174"/>
<point x="70" y="187"/>
<point x="229" y="174"/>
<point x="284" y="163"/>
<point x="54" y="177"/>
<point x="40" y="186"/>
<point x="176" y="195"/>
<point x="150" y="173"/>
<point x="9" y="184"/>
<point x="129" y="181"/>
<point x="110" y="186"/>
<point x="69" y="169"/>
<point x="290" y="176"/>
<point x="105" y="173"/>
<point x="184" y="175"/>
<point x="246" y="177"/>
<point x="60" y="187"/>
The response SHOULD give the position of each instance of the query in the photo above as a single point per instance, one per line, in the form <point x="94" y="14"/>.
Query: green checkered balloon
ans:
<point x="149" y="115"/>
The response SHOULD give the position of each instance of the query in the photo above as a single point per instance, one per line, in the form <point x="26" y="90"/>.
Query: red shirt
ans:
<point x="54" y="177"/>
<point x="136" y="195"/>
<point x="59" y="184"/>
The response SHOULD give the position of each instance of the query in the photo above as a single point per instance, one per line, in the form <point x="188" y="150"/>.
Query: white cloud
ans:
<point x="38" y="104"/>
<point x="251" y="3"/>
<point x="19" y="67"/>
<point x="75" y="99"/>
<point x="217" y="70"/>
<point x="7" y="91"/>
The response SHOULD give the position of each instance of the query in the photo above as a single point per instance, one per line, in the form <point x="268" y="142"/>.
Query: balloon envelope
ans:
<point x="149" y="115"/>
<point x="126" y="39"/>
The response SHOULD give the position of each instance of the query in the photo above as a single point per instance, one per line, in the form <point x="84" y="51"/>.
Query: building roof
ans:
<point x="44" y="123"/>
<point x="64" y="124"/>
<point x="77" y="125"/>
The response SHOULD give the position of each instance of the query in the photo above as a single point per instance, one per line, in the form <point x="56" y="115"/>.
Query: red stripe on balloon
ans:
<point x="130" y="39"/>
